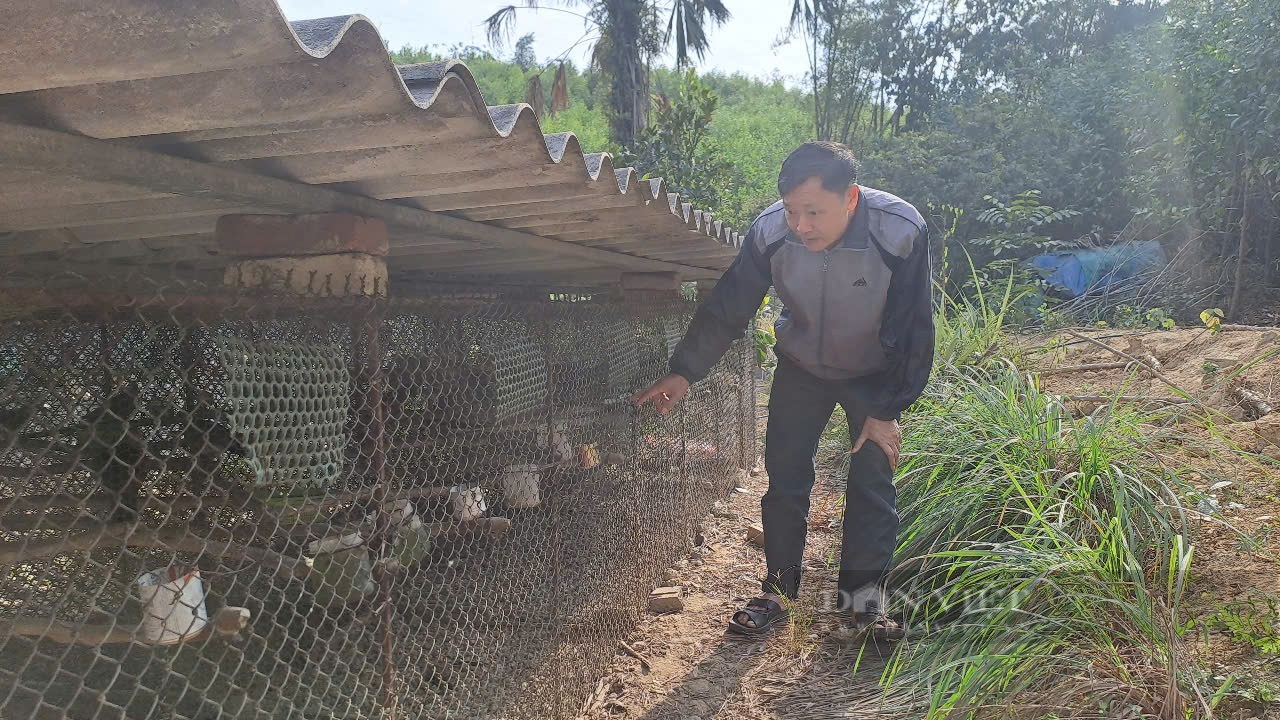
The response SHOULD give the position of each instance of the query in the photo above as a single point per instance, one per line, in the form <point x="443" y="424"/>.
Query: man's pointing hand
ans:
<point x="665" y="393"/>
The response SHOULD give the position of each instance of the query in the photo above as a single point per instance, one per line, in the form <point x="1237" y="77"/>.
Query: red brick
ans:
<point x="254" y="236"/>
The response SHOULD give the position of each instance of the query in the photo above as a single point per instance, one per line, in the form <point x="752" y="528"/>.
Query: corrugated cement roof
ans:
<point x="92" y="92"/>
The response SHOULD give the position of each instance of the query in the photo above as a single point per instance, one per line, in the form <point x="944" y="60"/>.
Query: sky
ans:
<point x="745" y="44"/>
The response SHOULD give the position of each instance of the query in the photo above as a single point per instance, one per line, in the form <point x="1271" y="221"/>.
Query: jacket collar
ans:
<point x="858" y="234"/>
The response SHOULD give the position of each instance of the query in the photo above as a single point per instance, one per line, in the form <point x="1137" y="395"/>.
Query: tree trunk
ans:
<point x="813" y="68"/>
<point x="625" y="61"/>
<point x="1268" y="245"/>
<point x="1238" y="290"/>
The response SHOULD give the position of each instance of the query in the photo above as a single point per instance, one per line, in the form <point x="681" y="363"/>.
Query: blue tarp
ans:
<point x="1080" y="271"/>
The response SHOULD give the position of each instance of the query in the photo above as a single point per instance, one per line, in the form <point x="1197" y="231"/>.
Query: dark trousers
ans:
<point x="800" y="405"/>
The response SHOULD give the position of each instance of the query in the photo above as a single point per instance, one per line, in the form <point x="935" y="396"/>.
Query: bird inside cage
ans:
<point x="114" y="445"/>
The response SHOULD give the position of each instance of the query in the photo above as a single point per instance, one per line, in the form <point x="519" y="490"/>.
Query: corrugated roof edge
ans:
<point x="424" y="82"/>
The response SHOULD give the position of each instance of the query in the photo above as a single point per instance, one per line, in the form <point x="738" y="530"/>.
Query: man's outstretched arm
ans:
<point x="724" y="315"/>
<point x="719" y="320"/>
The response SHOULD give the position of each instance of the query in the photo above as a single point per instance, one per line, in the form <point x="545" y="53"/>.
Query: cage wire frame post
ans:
<point x="373" y="414"/>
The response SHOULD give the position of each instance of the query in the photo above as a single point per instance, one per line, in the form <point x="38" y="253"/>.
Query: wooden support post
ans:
<point x="259" y="236"/>
<point x="318" y="255"/>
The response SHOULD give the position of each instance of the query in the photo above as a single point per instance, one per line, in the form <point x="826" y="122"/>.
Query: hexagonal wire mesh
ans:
<point x="214" y="505"/>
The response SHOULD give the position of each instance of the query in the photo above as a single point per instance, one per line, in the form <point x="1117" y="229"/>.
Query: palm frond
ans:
<point x="688" y="23"/>
<point x="498" y="26"/>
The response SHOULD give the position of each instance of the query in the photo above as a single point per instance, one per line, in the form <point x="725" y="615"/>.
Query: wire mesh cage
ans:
<point x="217" y="505"/>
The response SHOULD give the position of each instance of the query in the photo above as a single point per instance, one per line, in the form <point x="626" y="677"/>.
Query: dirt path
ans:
<point x="697" y="671"/>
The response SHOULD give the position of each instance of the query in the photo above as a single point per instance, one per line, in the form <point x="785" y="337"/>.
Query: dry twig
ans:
<point x="644" y="661"/>
<point x="1063" y="369"/>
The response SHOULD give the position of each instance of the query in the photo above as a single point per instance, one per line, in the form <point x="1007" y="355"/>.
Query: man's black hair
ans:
<point x="830" y="162"/>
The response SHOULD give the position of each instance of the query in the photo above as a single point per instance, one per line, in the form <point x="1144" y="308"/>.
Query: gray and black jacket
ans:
<point x="861" y="311"/>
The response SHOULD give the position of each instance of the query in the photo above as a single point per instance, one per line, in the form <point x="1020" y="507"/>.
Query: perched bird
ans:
<point x="113" y="448"/>
<point x="206" y="438"/>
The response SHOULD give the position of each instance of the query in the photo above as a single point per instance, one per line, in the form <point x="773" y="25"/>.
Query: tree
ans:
<point x="628" y="36"/>
<point x="674" y="145"/>
<point x="524" y="56"/>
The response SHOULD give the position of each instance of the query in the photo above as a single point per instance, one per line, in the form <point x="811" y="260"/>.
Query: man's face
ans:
<point x="817" y="216"/>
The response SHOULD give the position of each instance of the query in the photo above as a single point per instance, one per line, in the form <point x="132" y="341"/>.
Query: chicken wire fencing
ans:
<point x="218" y="505"/>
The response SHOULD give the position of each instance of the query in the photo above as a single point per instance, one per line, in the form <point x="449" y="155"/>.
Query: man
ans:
<point x="851" y="265"/>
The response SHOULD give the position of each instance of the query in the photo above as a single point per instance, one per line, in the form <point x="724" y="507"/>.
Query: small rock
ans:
<point x="666" y="599"/>
<point x="1234" y="506"/>
<point x="1207" y="506"/>
<point x="755" y="535"/>
<point x="1220" y="485"/>
<point x="741" y="490"/>
<point x="669" y="575"/>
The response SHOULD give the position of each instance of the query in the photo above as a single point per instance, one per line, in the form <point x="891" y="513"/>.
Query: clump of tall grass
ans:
<point x="970" y="328"/>
<point x="1041" y="556"/>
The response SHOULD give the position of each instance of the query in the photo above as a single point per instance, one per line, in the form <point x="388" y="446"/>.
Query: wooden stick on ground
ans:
<point x="1155" y="372"/>
<point x="644" y="661"/>
<point x="1247" y="328"/>
<point x="1138" y="349"/>
<point x="1134" y="399"/>
<point x="1191" y="399"/>
<point x="1062" y="369"/>
<point x="1260" y="407"/>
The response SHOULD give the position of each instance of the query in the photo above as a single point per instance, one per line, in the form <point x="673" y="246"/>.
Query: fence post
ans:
<point x="378" y="465"/>
<point x="540" y="321"/>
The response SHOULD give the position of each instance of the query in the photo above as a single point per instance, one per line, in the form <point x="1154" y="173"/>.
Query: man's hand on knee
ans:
<point x="884" y="433"/>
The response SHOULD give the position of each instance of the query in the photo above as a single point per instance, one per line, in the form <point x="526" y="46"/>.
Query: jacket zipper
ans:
<point x="822" y="312"/>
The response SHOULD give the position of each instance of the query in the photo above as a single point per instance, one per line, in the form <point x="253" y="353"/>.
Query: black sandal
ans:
<point x="880" y="626"/>
<point x="763" y="612"/>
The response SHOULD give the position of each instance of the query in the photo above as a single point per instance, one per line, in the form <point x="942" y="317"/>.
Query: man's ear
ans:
<point x="853" y="197"/>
